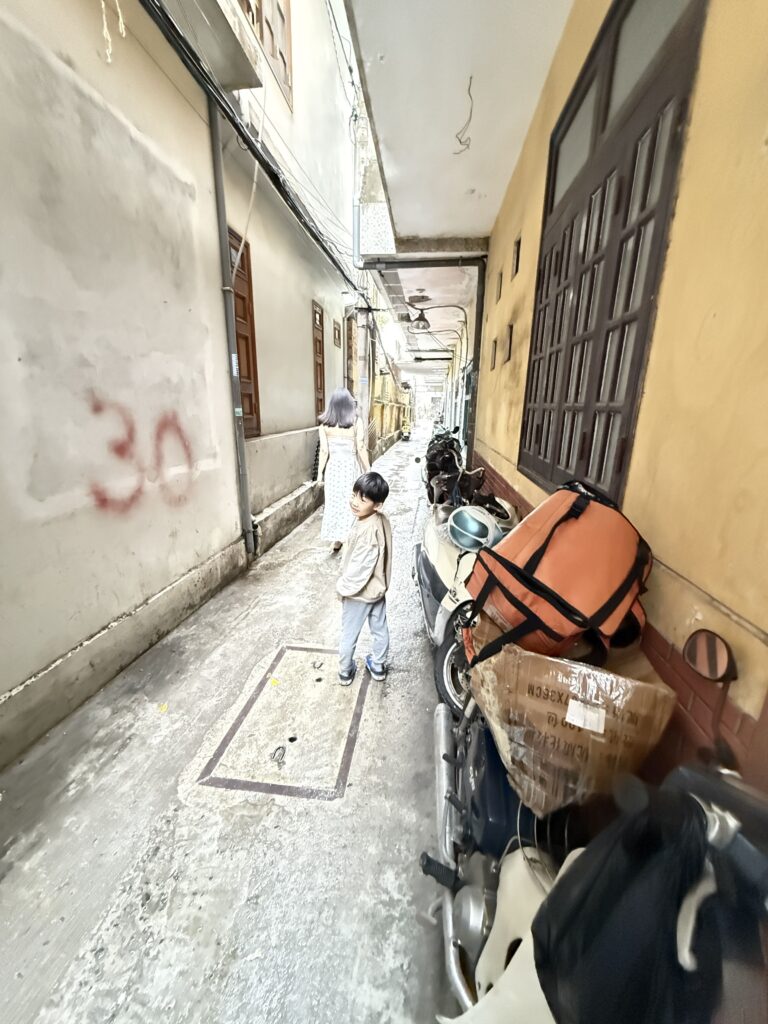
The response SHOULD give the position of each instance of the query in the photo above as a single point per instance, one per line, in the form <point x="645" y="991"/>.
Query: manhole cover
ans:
<point x="296" y="733"/>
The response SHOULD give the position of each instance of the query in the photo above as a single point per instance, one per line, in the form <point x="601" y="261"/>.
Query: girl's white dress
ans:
<point x="345" y="448"/>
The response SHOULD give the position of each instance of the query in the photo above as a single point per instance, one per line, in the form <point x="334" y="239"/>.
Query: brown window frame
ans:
<point x="350" y="352"/>
<point x="263" y="16"/>
<point x="245" y="330"/>
<point x="516" y="257"/>
<point x="318" y="356"/>
<point x="510" y="337"/>
<point x="548" y="454"/>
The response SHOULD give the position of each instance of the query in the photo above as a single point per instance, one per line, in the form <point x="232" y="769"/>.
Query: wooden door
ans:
<point x="318" y="356"/>
<point x="245" y="331"/>
<point x="350" y="354"/>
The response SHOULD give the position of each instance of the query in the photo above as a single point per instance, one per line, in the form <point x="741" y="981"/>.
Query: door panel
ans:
<point x="245" y="333"/>
<point x="318" y="355"/>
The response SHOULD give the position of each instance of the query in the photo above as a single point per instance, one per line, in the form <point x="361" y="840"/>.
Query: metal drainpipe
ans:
<point x="357" y="262"/>
<point x="229" y="316"/>
<point x="356" y="191"/>
<point x="479" y="315"/>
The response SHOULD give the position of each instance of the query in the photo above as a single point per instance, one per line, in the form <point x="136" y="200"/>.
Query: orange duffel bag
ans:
<point x="573" y="568"/>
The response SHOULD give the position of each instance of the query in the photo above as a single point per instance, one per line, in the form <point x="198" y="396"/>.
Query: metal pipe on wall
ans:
<point x="193" y="62"/>
<point x="229" y="316"/>
<point x="479" y="314"/>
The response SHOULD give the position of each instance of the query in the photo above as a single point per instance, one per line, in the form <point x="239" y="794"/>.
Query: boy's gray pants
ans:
<point x="353" y="617"/>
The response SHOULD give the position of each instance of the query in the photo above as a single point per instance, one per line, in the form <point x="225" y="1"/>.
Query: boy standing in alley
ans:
<point x="365" y="578"/>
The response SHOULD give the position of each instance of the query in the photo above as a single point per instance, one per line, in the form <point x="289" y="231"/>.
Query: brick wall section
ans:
<point x="494" y="483"/>
<point x="693" y="723"/>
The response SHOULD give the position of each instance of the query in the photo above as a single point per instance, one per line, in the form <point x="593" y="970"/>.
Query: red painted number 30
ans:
<point x="168" y="433"/>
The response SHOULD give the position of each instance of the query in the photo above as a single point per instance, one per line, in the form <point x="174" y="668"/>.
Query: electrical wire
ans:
<point x="338" y="234"/>
<point x="256" y="165"/>
<point x="338" y="246"/>
<point x="335" y="25"/>
<point x="332" y="21"/>
<point x="194" y="63"/>
<point x="274" y="131"/>
<point x="344" y="39"/>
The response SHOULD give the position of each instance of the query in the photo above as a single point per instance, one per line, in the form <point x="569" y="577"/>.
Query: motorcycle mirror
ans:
<point x="710" y="656"/>
<point x="417" y="459"/>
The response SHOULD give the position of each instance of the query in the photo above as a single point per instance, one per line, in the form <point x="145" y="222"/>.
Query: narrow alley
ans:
<point x="274" y="274"/>
<point x="133" y="891"/>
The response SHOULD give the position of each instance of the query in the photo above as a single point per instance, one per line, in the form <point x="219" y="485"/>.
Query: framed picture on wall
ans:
<point x="337" y="334"/>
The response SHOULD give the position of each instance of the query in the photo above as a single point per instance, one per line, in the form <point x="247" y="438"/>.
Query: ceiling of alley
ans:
<point x="446" y="172"/>
<point x="447" y="295"/>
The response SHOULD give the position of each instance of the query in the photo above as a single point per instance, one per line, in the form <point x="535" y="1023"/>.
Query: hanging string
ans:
<point x="105" y="31"/>
<point x="105" y="28"/>
<point x="239" y="256"/>
<point x="464" y="140"/>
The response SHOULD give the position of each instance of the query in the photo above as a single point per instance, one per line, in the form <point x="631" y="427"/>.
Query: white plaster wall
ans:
<point x="311" y="138"/>
<point x="278" y="464"/>
<point x="289" y="272"/>
<point x="117" y="468"/>
<point x="311" y="135"/>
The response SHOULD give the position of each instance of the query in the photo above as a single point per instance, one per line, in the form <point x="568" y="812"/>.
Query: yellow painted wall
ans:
<point x="698" y="478"/>
<point x="500" y="392"/>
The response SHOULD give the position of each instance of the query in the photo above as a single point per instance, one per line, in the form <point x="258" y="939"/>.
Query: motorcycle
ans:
<point x="439" y="569"/>
<point x="533" y="911"/>
<point x="440" y="566"/>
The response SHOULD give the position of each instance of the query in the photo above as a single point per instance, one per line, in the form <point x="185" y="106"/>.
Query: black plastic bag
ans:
<point x="605" y="939"/>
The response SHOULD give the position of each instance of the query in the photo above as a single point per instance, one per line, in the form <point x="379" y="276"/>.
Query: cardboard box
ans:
<point x="565" y="730"/>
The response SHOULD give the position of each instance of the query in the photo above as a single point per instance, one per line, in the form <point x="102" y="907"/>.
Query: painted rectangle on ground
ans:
<point x="296" y="733"/>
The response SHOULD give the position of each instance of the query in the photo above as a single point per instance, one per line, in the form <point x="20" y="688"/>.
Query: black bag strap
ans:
<point x="635" y="575"/>
<point x="577" y="508"/>
<point x="598" y="651"/>
<point x="574" y="616"/>
<point x="513" y="636"/>
<point x="579" y="487"/>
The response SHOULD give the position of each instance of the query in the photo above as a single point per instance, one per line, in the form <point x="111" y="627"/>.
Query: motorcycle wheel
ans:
<point x="451" y="671"/>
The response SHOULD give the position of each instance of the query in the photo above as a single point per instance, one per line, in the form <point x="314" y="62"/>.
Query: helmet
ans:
<point x="472" y="528"/>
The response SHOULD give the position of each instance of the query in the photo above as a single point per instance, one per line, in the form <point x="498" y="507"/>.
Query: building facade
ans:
<point x="624" y="334"/>
<point x="120" y="509"/>
<point x="610" y="175"/>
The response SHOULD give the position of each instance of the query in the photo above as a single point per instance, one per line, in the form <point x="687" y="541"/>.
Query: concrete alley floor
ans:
<point x="133" y="892"/>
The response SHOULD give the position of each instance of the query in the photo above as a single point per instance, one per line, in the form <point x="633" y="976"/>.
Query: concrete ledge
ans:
<point x="33" y="707"/>
<point x="278" y="464"/>
<point x="277" y="521"/>
<point x="384" y="444"/>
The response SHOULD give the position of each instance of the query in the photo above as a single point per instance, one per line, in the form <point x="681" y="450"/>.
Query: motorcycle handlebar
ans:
<point x="730" y="793"/>
<point x="745" y="852"/>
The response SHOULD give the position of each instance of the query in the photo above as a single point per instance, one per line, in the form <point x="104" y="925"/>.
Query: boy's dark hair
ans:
<point x="372" y="486"/>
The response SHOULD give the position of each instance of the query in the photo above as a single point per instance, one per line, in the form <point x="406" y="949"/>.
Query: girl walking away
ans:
<point x="343" y="455"/>
<point x="365" y="579"/>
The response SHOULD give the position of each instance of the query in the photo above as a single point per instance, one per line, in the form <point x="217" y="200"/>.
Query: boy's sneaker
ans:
<point x="345" y="678"/>
<point x="377" y="674"/>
